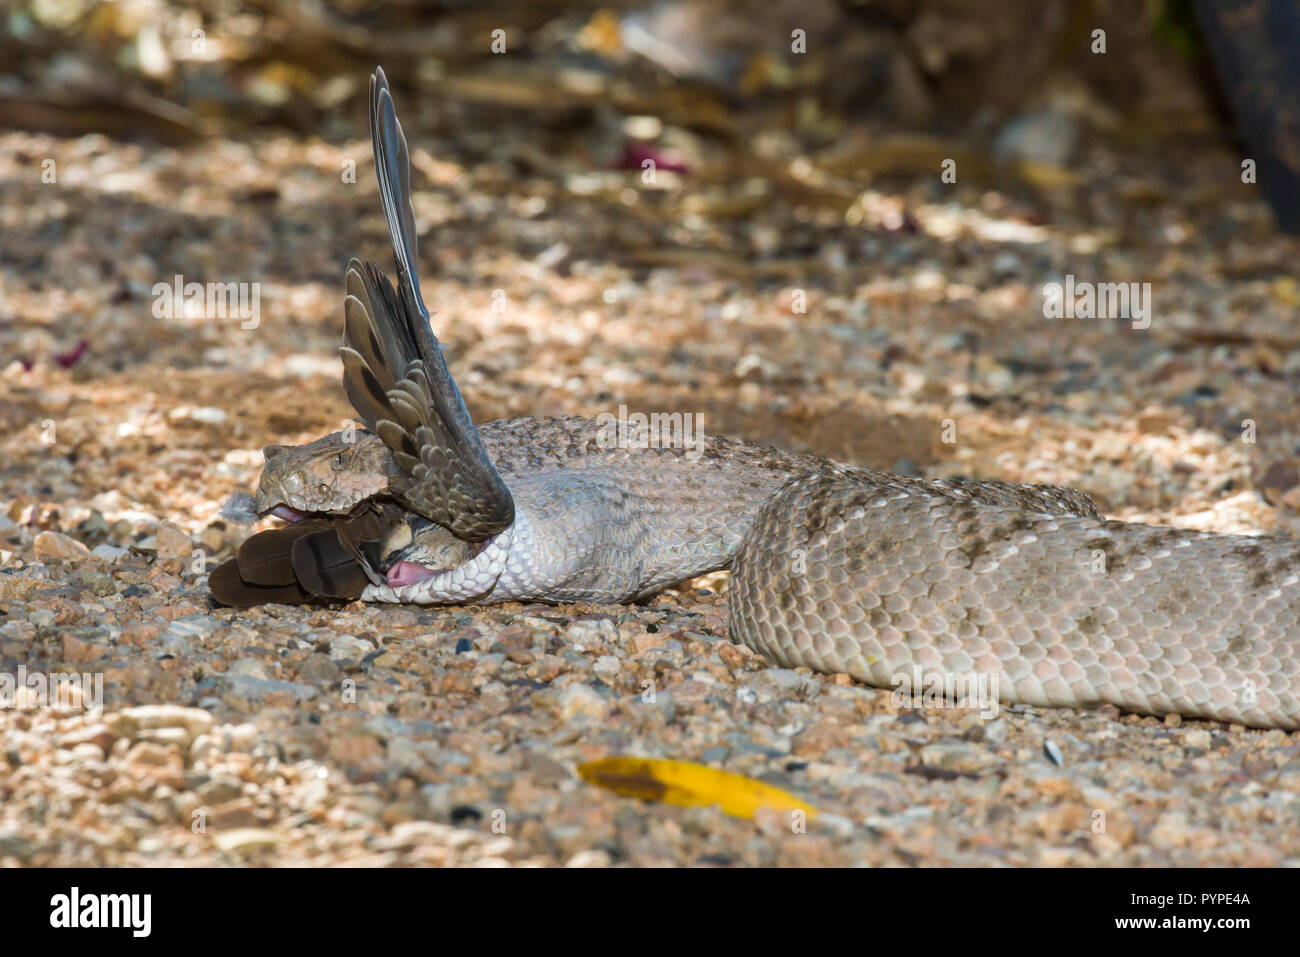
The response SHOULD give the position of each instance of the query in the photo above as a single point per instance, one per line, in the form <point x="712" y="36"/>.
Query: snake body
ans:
<point x="1061" y="609"/>
<point x="834" y="568"/>
<point x="850" y="570"/>
<point x="598" y="521"/>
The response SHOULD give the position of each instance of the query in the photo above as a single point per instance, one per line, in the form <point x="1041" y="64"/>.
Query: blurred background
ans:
<point x="735" y="208"/>
<point x="1029" y="81"/>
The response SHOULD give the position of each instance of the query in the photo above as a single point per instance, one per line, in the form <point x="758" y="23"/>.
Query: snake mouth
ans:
<point x="243" y="509"/>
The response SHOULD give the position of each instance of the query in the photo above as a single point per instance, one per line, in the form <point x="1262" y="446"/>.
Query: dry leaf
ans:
<point x="687" y="785"/>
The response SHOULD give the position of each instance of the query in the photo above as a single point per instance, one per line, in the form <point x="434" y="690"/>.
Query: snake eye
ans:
<point x="323" y="488"/>
<point x="338" y="462"/>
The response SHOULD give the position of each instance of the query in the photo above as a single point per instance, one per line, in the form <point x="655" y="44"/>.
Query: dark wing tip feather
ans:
<point x="324" y="567"/>
<point x="230" y="589"/>
<point x="264" y="559"/>
<point x="306" y="561"/>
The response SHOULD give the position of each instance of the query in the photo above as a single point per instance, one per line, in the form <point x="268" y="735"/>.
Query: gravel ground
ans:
<point x="374" y="735"/>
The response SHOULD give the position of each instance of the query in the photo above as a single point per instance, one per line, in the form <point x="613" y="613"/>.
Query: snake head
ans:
<point x="325" y="477"/>
<point x="331" y="476"/>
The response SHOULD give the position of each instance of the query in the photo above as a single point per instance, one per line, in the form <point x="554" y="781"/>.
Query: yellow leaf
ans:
<point x="686" y="785"/>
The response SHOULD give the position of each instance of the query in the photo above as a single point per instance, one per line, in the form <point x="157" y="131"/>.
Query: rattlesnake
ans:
<point x="836" y="568"/>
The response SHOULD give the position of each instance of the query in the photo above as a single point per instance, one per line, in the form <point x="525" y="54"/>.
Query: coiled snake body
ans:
<point x="834" y="568"/>
<point x="1062" y="609"/>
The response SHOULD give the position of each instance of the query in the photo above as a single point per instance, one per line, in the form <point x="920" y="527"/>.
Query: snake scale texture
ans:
<point x="839" y="569"/>
<point x="842" y="573"/>
<point x="850" y="570"/>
